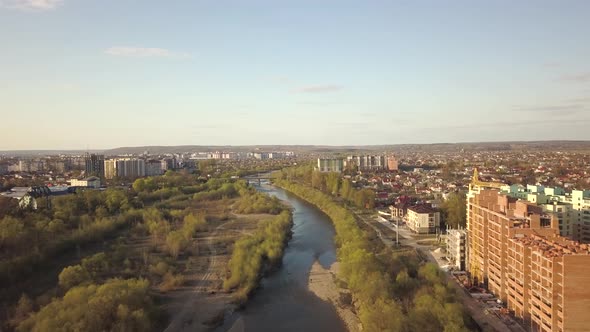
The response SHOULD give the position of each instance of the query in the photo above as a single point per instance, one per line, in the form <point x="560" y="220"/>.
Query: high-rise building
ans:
<point x="367" y="162"/>
<point x="547" y="282"/>
<point x="392" y="163"/>
<point x="515" y="250"/>
<point x="124" y="168"/>
<point x="95" y="165"/>
<point x="330" y="165"/>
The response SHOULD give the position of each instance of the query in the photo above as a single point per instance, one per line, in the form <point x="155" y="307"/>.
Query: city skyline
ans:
<point x="88" y="75"/>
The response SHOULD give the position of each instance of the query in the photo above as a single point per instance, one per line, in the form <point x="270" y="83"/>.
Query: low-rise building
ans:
<point x="89" y="182"/>
<point x="423" y="219"/>
<point x="456" y="242"/>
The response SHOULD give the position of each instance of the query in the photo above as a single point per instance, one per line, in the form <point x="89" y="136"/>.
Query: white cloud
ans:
<point x="31" y="4"/>
<point x="319" y="88"/>
<point x="144" y="52"/>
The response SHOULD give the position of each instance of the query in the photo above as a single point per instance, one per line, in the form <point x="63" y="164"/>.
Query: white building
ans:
<point x="423" y="219"/>
<point x="124" y="168"/>
<point x="89" y="182"/>
<point x="330" y="165"/>
<point x="367" y="162"/>
<point x="572" y="209"/>
<point x="456" y="241"/>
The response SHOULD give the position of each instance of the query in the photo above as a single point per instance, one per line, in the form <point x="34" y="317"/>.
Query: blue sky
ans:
<point x="100" y="74"/>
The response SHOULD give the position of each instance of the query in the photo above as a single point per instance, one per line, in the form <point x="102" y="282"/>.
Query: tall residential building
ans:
<point x="515" y="250"/>
<point x="547" y="283"/>
<point x="367" y="162"/>
<point x="330" y="165"/>
<point x="124" y="168"/>
<point x="392" y="163"/>
<point x="153" y="167"/>
<point x="95" y="165"/>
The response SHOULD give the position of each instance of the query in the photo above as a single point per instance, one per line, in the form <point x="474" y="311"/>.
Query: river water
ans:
<point x="283" y="302"/>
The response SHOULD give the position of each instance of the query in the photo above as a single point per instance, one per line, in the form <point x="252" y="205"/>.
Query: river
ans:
<point x="283" y="302"/>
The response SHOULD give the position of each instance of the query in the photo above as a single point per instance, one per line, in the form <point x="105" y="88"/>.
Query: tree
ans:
<point x="455" y="210"/>
<point x="10" y="230"/>
<point x="72" y="276"/>
<point x="345" y="189"/>
<point x="117" y="305"/>
<point x="176" y="241"/>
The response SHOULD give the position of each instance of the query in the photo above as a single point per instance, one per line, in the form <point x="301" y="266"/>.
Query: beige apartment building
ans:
<point x="515" y="250"/>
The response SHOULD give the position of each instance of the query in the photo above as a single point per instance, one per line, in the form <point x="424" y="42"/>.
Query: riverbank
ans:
<point x="322" y="283"/>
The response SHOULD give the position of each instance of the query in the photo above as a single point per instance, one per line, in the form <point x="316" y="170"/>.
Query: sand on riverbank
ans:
<point x="322" y="283"/>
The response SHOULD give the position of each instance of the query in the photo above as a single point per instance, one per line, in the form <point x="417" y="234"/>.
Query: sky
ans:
<point x="80" y="74"/>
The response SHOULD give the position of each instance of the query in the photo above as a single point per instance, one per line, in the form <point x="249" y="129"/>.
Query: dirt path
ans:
<point x="200" y="305"/>
<point x="321" y="283"/>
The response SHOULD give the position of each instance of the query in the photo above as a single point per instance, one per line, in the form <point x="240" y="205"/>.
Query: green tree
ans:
<point x="455" y="210"/>
<point x="117" y="305"/>
<point x="72" y="276"/>
<point x="175" y="242"/>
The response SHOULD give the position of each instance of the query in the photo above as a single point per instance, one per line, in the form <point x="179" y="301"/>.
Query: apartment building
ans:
<point x="392" y="163"/>
<point x="515" y="250"/>
<point x="547" y="283"/>
<point x="367" y="162"/>
<point x="572" y="209"/>
<point x="330" y="165"/>
<point x="94" y="165"/>
<point x="423" y="219"/>
<point x="492" y="219"/>
<point x="456" y="242"/>
<point x="124" y="168"/>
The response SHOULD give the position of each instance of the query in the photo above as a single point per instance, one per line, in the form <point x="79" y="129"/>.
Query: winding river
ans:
<point x="283" y="302"/>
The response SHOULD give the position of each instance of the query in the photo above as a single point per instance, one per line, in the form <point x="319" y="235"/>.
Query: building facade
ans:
<point x="129" y="168"/>
<point x="330" y="165"/>
<point x="423" y="219"/>
<point x="94" y="165"/>
<point x="367" y="162"/>
<point x="392" y="163"/>
<point x="89" y="182"/>
<point x="456" y="242"/>
<point x="515" y="250"/>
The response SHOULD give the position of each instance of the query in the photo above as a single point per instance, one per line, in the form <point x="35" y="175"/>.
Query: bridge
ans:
<point x="257" y="178"/>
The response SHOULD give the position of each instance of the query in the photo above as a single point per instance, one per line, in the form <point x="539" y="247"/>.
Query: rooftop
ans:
<point x="422" y="209"/>
<point x="553" y="247"/>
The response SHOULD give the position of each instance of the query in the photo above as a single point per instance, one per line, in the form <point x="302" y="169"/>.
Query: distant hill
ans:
<point x="47" y="152"/>
<point x="441" y="147"/>
<point x="435" y="147"/>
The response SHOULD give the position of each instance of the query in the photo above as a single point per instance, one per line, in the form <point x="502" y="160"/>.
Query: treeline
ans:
<point x="28" y="238"/>
<point x="331" y="183"/>
<point x="391" y="293"/>
<point x="117" y="305"/>
<point x="252" y="254"/>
